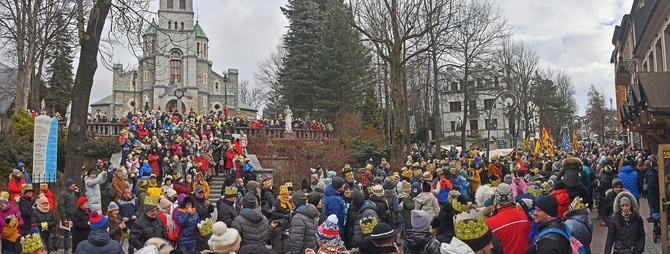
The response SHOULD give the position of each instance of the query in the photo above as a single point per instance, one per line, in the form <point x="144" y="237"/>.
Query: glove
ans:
<point x="45" y="226"/>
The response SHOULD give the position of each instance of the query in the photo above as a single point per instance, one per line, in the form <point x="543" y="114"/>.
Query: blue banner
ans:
<point x="52" y="152"/>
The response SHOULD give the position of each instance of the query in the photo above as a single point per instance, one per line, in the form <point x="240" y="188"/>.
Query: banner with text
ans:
<point x="45" y="149"/>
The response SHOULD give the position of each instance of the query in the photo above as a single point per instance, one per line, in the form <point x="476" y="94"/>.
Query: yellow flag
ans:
<point x="537" y="150"/>
<point x="575" y="141"/>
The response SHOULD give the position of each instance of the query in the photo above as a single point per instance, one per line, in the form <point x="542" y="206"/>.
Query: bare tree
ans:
<point x="481" y="27"/>
<point x="267" y="78"/>
<point x="595" y="111"/>
<point x="29" y="27"/>
<point x="252" y="96"/>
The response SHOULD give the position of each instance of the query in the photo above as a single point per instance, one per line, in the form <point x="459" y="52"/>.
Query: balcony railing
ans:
<point x="114" y="129"/>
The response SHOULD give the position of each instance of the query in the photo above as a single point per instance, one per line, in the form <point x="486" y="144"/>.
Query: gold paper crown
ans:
<point x="535" y="191"/>
<point x="26" y="187"/>
<point x="267" y="183"/>
<point x="453" y="194"/>
<point x="288" y="184"/>
<point x="369" y="166"/>
<point x="547" y="187"/>
<point x="44" y="186"/>
<point x="283" y="188"/>
<point x="368" y="224"/>
<point x="417" y="172"/>
<point x="205" y="227"/>
<point x="377" y="189"/>
<point x="31" y="243"/>
<point x="577" y="204"/>
<point x="396" y="173"/>
<point x="439" y="171"/>
<point x="458" y="207"/>
<point x="369" y="189"/>
<point x="230" y="191"/>
<point x="349" y="175"/>
<point x="495" y="183"/>
<point x="423" y="163"/>
<point x="415" y="165"/>
<point x="394" y="178"/>
<point x="152" y="201"/>
<point x="346" y="166"/>
<point x="407" y="173"/>
<point x="406" y="186"/>
<point x="4" y="195"/>
<point x="470" y="225"/>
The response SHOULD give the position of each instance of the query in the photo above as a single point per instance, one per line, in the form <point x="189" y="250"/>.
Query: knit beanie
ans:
<point x="81" y="201"/>
<point x="165" y="203"/>
<point x="617" y="183"/>
<point x="337" y="182"/>
<point x="170" y="192"/>
<point x="504" y="195"/>
<point x="624" y="201"/>
<point x="420" y="220"/>
<point x="249" y="201"/>
<point x="112" y="206"/>
<point x="299" y="198"/>
<point x="328" y="230"/>
<point x="548" y="205"/>
<point x="97" y="220"/>
<point x="507" y="179"/>
<point x="223" y="239"/>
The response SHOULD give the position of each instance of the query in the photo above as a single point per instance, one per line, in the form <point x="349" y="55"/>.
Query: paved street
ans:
<point x="600" y="233"/>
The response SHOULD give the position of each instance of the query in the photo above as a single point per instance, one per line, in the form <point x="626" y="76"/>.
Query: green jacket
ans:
<point x="67" y="204"/>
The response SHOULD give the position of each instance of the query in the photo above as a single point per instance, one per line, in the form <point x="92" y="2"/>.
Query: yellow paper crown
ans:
<point x="453" y="194"/>
<point x="369" y="166"/>
<point x="346" y="167"/>
<point x="470" y="225"/>
<point x="349" y="175"/>
<point x="205" y="227"/>
<point x="495" y="183"/>
<point x="230" y="191"/>
<point x="535" y="191"/>
<point x="44" y="186"/>
<point x="406" y="186"/>
<point x="417" y="172"/>
<point x="26" y="187"/>
<point x="31" y="243"/>
<point x="283" y="190"/>
<point x="368" y="224"/>
<point x="288" y="184"/>
<point x="407" y="173"/>
<point x="577" y="204"/>
<point x="267" y="183"/>
<point x="547" y="187"/>
<point x="152" y="201"/>
<point x="458" y="206"/>
<point x="369" y="189"/>
<point x="4" y="195"/>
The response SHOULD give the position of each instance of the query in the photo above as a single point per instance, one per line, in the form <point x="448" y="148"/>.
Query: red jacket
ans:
<point x="153" y="163"/>
<point x="182" y="188"/>
<point x="204" y="163"/>
<point x="512" y="227"/>
<point x="563" y="200"/>
<point x="15" y="189"/>
<point x="172" y="236"/>
<point x="50" y="197"/>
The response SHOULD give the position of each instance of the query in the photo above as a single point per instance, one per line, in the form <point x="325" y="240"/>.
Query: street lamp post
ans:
<point x="134" y="92"/>
<point x="513" y="105"/>
<point x="225" y="88"/>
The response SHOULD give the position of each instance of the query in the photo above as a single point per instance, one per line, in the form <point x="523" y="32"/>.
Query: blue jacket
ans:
<point x="247" y="168"/>
<point x="580" y="226"/>
<point x="145" y="170"/>
<point x="188" y="227"/>
<point x="99" y="241"/>
<point x="628" y="177"/>
<point x="128" y="208"/>
<point x="464" y="184"/>
<point x="333" y="203"/>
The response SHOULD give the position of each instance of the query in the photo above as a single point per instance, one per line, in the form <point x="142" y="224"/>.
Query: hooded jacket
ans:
<point x="227" y="212"/>
<point x="629" y="179"/>
<point x="253" y="227"/>
<point x="427" y="202"/>
<point x="580" y="226"/>
<point x="365" y="214"/>
<point x="188" y="227"/>
<point x="418" y="242"/>
<point x="333" y="203"/>
<point x="456" y="246"/>
<point x="622" y="234"/>
<point x="93" y="191"/>
<point x="303" y="229"/>
<point x="99" y="241"/>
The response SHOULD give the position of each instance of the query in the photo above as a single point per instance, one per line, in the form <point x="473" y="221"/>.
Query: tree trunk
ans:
<point x="83" y="81"/>
<point x="437" y="117"/>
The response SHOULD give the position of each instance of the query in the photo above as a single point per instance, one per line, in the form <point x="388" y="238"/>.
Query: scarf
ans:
<point x="626" y="216"/>
<point x="170" y="222"/>
<point x="183" y="210"/>
<point x="285" y="202"/>
<point x="43" y="207"/>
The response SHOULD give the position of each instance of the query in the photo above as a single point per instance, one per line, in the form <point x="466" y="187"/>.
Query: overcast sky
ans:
<point x="569" y="35"/>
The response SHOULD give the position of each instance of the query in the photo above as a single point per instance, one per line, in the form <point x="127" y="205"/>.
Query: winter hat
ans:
<point x="330" y="174"/>
<point x="617" y="183"/>
<point x="572" y="163"/>
<point x="249" y="201"/>
<point x="304" y="185"/>
<point x="112" y="206"/>
<point x="299" y="198"/>
<point x="425" y="186"/>
<point x="252" y="185"/>
<point x="328" y="230"/>
<point x="624" y="201"/>
<point x="526" y="203"/>
<point x="504" y="195"/>
<point x="548" y="205"/>
<point x="378" y="190"/>
<point x="337" y="182"/>
<point x="164" y="203"/>
<point x="150" y="203"/>
<point x="16" y="172"/>
<point x="97" y="220"/>
<point x="223" y="239"/>
<point x="170" y="192"/>
<point x="507" y="179"/>
<point x="314" y="199"/>
<point x="81" y="201"/>
<point x="315" y="176"/>
<point x="389" y="185"/>
<point x="420" y="220"/>
<point x="68" y="183"/>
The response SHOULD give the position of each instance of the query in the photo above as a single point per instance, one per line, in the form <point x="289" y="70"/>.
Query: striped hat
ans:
<point x="328" y="230"/>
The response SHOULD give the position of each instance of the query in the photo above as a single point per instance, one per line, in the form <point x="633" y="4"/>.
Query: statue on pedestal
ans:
<point x="288" y="115"/>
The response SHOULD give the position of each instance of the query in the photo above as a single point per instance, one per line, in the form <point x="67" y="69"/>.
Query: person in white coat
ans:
<point x="92" y="182"/>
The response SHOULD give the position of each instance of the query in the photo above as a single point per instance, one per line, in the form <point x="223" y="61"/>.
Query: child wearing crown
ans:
<point x="10" y="235"/>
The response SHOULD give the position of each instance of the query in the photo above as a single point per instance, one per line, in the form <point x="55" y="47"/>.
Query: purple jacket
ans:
<point x="9" y="211"/>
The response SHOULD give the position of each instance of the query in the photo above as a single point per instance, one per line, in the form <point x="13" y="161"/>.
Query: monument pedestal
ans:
<point x="289" y="135"/>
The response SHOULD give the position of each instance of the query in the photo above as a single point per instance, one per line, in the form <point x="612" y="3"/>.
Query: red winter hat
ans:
<point x="81" y="201"/>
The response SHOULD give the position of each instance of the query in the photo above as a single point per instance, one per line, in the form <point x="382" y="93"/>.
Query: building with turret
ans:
<point x="174" y="71"/>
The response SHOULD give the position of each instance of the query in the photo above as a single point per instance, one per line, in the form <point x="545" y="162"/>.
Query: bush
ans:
<point x="16" y="143"/>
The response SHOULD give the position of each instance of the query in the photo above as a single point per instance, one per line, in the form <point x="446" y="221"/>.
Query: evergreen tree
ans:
<point x="297" y="77"/>
<point x="370" y="111"/>
<point x="60" y="72"/>
<point x="344" y="69"/>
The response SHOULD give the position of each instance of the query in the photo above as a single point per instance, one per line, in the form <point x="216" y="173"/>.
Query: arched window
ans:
<point x="204" y="49"/>
<point x="182" y="25"/>
<point x="175" y="66"/>
<point x="169" y="22"/>
<point x="197" y="48"/>
<point x="216" y="87"/>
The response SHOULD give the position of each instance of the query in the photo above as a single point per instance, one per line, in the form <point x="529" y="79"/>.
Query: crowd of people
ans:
<point x="518" y="203"/>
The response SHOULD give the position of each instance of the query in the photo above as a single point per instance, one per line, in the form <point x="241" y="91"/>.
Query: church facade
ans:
<point x="174" y="71"/>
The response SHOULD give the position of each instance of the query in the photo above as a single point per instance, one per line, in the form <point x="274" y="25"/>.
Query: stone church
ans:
<point x="173" y="69"/>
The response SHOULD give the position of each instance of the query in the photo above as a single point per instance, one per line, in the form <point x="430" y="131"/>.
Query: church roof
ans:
<point x="199" y="32"/>
<point x="244" y="106"/>
<point x="104" y="101"/>
<point x="152" y="28"/>
<point x="7" y="87"/>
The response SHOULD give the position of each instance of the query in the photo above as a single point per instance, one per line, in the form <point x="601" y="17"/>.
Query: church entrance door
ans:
<point x="171" y="106"/>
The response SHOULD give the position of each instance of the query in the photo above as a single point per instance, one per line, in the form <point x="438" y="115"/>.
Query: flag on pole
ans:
<point x="538" y="149"/>
<point x="575" y="141"/>
<point x="545" y="137"/>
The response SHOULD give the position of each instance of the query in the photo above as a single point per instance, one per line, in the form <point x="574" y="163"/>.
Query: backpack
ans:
<point x="575" y="245"/>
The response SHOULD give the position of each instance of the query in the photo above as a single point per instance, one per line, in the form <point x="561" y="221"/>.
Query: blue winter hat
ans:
<point x="69" y="183"/>
<point x="20" y="164"/>
<point x="97" y="220"/>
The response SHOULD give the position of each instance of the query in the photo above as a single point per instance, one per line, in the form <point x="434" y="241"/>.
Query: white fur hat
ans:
<point x="223" y="239"/>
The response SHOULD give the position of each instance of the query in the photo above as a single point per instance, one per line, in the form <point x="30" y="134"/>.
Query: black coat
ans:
<point x="145" y="228"/>
<point x="418" y="242"/>
<point x="622" y="235"/>
<point x="550" y="243"/>
<point x="227" y="212"/>
<point x="49" y="218"/>
<point x="26" y="209"/>
<point x="80" y="227"/>
<point x="204" y="212"/>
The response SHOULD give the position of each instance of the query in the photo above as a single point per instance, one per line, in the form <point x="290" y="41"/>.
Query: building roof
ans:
<point x="152" y="29"/>
<point x="104" y="101"/>
<point x="7" y="87"/>
<point x="199" y="33"/>
<point x="244" y="106"/>
<point x="653" y="84"/>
